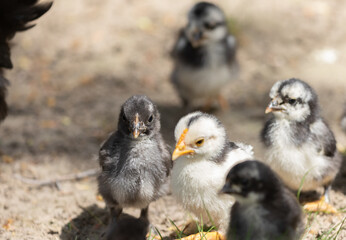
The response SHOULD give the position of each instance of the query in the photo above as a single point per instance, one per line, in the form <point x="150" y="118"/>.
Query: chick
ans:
<point x="258" y="213"/>
<point x="203" y="156"/>
<point x="204" y="57"/>
<point x="135" y="161"/>
<point x="300" y="145"/>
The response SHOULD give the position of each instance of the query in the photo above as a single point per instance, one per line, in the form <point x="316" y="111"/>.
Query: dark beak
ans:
<point x="197" y="38"/>
<point x="227" y="189"/>
<point x="274" y="106"/>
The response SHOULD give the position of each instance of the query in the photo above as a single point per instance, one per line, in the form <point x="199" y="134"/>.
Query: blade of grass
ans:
<point x="208" y="213"/>
<point x="200" y="225"/>
<point x="149" y="237"/>
<point x="342" y="210"/>
<point x="339" y="230"/>
<point x="157" y="230"/>
<point x="325" y="235"/>
<point x="179" y="232"/>
<point x="310" y="222"/>
<point x="302" y="183"/>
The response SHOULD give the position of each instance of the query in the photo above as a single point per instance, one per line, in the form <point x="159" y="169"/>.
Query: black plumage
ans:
<point x="196" y="57"/>
<point x="265" y="208"/>
<point x="135" y="161"/>
<point x="15" y="16"/>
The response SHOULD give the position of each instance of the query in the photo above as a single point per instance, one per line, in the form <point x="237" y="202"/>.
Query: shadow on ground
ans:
<point x="90" y="224"/>
<point x="339" y="182"/>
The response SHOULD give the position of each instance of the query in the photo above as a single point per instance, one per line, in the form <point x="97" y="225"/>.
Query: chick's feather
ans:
<point x="15" y="16"/>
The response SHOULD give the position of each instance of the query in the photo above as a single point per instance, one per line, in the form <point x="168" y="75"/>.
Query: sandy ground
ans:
<point x="85" y="58"/>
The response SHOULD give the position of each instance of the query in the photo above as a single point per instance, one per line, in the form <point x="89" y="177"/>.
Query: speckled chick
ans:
<point x="135" y="161"/>
<point x="204" y="56"/>
<point x="203" y="156"/>
<point x="297" y="138"/>
<point x="264" y="209"/>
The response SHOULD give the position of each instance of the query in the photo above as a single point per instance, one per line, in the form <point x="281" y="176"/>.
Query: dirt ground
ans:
<point x="86" y="57"/>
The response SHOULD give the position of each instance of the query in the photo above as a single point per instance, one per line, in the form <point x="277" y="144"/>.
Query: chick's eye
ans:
<point x="199" y="142"/>
<point x="124" y="117"/>
<point x="292" y="101"/>
<point x="209" y="26"/>
<point x="151" y="118"/>
<point x="244" y="182"/>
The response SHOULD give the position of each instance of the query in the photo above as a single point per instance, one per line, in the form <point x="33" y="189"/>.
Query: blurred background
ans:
<point x="84" y="58"/>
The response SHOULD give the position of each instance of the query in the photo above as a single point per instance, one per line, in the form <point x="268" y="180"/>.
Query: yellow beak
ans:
<point x="180" y="148"/>
<point x="268" y="110"/>
<point x="136" y="131"/>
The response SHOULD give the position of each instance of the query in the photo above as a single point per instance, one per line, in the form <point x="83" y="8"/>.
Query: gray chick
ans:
<point x="135" y="161"/>
<point x="264" y="208"/>
<point x="204" y="57"/>
<point x="300" y="145"/>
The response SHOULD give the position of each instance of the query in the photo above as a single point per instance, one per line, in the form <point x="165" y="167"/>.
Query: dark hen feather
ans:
<point x="15" y="16"/>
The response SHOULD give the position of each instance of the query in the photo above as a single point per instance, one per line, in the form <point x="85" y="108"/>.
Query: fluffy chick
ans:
<point x="258" y="213"/>
<point x="135" y="161"/>
<point x="204" y="56"/>
<point x="299" y="142"/>
<point x="203" y="157"/>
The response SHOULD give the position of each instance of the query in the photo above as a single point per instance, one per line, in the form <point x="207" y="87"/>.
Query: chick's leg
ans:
<point x="115" y="210"/>
<point x="144" y="213"/>
<point x="152" y="231"/>
<point x="321" y="205"/>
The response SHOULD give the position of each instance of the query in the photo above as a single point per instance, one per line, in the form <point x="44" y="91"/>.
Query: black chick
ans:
<point x="135" y="161"/>
<point x="265" y="208"/>
<point x="14" y="17"/>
